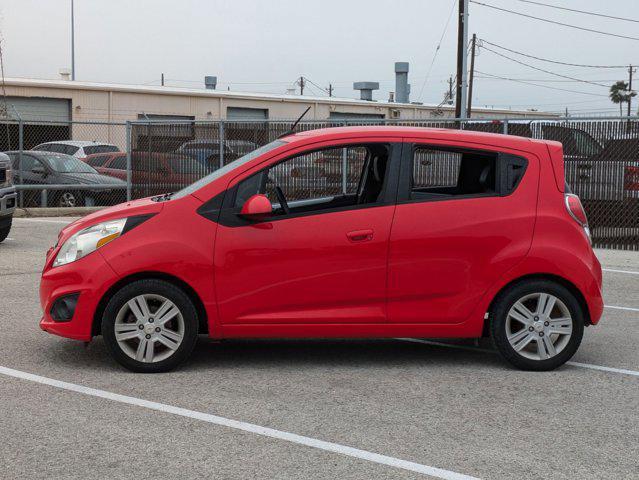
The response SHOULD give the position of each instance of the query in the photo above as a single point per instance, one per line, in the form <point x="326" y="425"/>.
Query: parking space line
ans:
<point x="615" y="307"/>
<point x="42" y="220"/>
<point x="629" y="272"/>
<point x="239" y="425"/>
<point x="590" y="366"/>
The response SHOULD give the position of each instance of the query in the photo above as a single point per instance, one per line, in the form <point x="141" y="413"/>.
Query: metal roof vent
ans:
<point x="366" y="89"/>
<point x="210" y="82"/>
<point x="402" y="89"/>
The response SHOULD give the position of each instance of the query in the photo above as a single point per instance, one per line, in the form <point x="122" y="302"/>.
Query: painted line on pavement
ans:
<point x="629" y="272"/>
<point x="615" y="307"/>
<point x="42" y="220"/>
<point x="244" y="426"/>
<point x="623" y="371"/>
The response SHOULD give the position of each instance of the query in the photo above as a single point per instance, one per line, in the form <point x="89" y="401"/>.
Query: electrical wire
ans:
<point x="439" y="44"/>
<point x="551" y="61"/>
<point x="543" y="86"/>
<point x="543" y="70"/>
<point x="555" y="22"/>
<point x="316" y="85"/>
<point x="579" y="11"/>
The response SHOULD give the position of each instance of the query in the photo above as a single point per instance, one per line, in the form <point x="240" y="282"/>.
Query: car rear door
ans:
<point x="465" y="215"/>
<point x="325" y="262"/>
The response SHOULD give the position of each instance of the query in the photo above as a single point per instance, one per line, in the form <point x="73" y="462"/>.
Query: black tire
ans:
<point x="498" y="323"/>
<point x="151" y="287"/>
<point x="5" y="229"/>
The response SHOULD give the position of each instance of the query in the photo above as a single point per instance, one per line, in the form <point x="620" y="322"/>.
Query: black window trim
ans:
<point x="406" y="172"/>
<point x="220" y="208"/>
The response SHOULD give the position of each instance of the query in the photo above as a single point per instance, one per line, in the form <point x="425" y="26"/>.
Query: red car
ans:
<point x="445" y="234"/>
<point x="151" y="173"/>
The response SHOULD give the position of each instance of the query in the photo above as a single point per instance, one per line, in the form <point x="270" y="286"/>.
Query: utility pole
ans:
<point x="330" y="89"/>
<point x="301" y="82"/>
<point x="630" y="71"/>
<point x="462" y="42"/>
<point x="162" y="80"/>
<point x="450" y="90"/>
<point x="472" y="74"/>
<point x="72" y="43"/>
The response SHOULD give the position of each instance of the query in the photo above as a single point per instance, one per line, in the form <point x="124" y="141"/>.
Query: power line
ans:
<point x="551" y="61"/>
<point x="580" y="11"/>
<point x="439" y="44"/>
<point x="543" y="86"/>
<point x="543" y="70"/>
<point x="555" y="22"/>
<point x="313" y="83"/>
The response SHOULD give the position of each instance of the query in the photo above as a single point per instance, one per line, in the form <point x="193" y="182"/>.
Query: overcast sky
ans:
<point x="264" y="46"/>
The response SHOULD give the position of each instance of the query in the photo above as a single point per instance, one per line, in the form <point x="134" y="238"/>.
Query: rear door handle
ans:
<point x="360" y="235"/>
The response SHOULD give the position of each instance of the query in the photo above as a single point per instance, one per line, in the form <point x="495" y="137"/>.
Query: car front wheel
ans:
<point x="537" y="325"/>
<point x="150" y="326"/>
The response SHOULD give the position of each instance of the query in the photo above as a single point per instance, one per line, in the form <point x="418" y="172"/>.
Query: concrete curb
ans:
<point x="55" y="212"/>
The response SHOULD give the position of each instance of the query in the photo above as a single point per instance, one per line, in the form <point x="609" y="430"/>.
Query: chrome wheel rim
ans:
<point x="538" y="326"/>
<point x="149" y="328"/>
<point x="67" y="200"/>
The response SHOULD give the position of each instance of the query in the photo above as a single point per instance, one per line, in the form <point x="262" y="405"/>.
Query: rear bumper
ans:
<point x="89" y="277"/>
<point x="593" y="291"/>
<point x="8" y="198"/>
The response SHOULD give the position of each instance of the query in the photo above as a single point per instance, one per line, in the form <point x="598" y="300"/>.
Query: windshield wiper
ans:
<point x="162" y="198"/>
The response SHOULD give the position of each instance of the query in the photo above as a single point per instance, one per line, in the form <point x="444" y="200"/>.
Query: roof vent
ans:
<point x="210" y="82"/>
<point x="366" y="89"/>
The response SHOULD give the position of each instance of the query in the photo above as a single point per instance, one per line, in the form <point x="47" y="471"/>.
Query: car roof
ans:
<point x="76" y="143"/>
<point x="337" y="133"/>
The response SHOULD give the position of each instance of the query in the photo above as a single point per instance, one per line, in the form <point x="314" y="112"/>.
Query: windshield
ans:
<point x="228" y="168"/>
<point x="67" y="164"/>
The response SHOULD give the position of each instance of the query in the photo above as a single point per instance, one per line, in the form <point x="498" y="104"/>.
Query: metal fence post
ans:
<point x="129" y="173"/>
<point x="505" y="132"/>
<point x="20" y="148"/>
<point x="344" y="168"/>
<point x="222" y="143"/>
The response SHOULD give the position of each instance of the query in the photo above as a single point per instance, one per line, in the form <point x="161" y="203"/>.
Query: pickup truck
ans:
<point x="7" y="196"/>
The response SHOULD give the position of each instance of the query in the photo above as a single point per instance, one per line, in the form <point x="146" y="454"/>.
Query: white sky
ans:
<point x="265" y="45"/>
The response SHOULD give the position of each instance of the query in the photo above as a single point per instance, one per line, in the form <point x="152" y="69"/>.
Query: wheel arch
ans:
<point x="540" y="276"/>
<point x="152" y="275"/>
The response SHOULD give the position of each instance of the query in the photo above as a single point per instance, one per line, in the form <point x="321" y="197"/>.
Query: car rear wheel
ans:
<point x="150" y="326"/>
<point x="69" y="200"/>
<point x="537" y="325"/>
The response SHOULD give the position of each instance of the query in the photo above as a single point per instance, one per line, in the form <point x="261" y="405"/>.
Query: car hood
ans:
<point x="144" y="206"/>
<point x="88" y="179"/>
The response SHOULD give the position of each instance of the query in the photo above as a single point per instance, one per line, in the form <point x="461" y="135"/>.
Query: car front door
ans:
<point x="320" y="258"/>
<point x="464" y="217"/>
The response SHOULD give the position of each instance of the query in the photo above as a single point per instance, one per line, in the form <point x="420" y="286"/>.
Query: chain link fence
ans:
<point x="82" y="163"/>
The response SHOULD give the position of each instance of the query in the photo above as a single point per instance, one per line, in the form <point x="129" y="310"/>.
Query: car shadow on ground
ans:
<point x="349" y="353"/>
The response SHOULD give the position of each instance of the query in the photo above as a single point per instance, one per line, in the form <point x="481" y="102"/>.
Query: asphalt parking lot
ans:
<point x="313" y="409"/>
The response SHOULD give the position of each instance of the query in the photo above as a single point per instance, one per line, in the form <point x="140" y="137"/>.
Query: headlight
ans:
<point x="89" y="240"/>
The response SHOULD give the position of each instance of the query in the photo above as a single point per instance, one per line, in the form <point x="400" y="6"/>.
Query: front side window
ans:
<point x="322" y="179"/>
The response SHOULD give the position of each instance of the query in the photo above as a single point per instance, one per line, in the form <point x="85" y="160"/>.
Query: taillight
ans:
<point x="9" y="177"/>
<point x="631" y="178"/>
<point x="577" y="212"/>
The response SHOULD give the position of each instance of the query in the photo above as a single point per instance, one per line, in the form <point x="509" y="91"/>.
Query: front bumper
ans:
<point x="8" y="199"/>
<point x="90" y="277"/>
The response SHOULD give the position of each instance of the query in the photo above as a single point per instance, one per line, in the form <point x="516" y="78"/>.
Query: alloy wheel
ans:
<point x="539" y="326"/>
<point x="149" y="328"/>
<point x="67" y="199"/>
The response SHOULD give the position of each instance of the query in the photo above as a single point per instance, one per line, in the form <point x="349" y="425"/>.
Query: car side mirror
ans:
<point x="38" y="171"/>
<point x="256" y="207"/>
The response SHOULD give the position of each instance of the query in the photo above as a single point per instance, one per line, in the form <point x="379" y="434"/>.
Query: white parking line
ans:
<point x="238" y="425"/>
<point x="42" y="220"/>
<point x="623" y="371"/>
<point x="629" y="272"/>
<point x="615" y="307"/>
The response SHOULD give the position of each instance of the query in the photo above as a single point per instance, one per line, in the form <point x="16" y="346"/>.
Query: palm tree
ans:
<point x="619" y="93"/>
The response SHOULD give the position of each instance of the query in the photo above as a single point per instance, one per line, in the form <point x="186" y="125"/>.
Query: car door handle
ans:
<point x="360" y="235"/>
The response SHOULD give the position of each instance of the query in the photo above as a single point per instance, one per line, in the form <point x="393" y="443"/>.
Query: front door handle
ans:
<point x="360" y="235"/>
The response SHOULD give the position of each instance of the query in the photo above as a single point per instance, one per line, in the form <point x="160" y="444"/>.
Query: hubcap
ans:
<point x="149" y="328"/>
<point x="539" y="326"/>
<point x="67" y="200"/>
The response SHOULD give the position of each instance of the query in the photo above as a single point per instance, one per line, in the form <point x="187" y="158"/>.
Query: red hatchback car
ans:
<point x="445" y="234"/>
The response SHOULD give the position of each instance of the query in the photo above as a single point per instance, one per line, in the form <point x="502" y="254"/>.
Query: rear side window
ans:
<point x="440" y="173"/>
<point x="98" y="161"/>
<point x="118" y="163"/>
